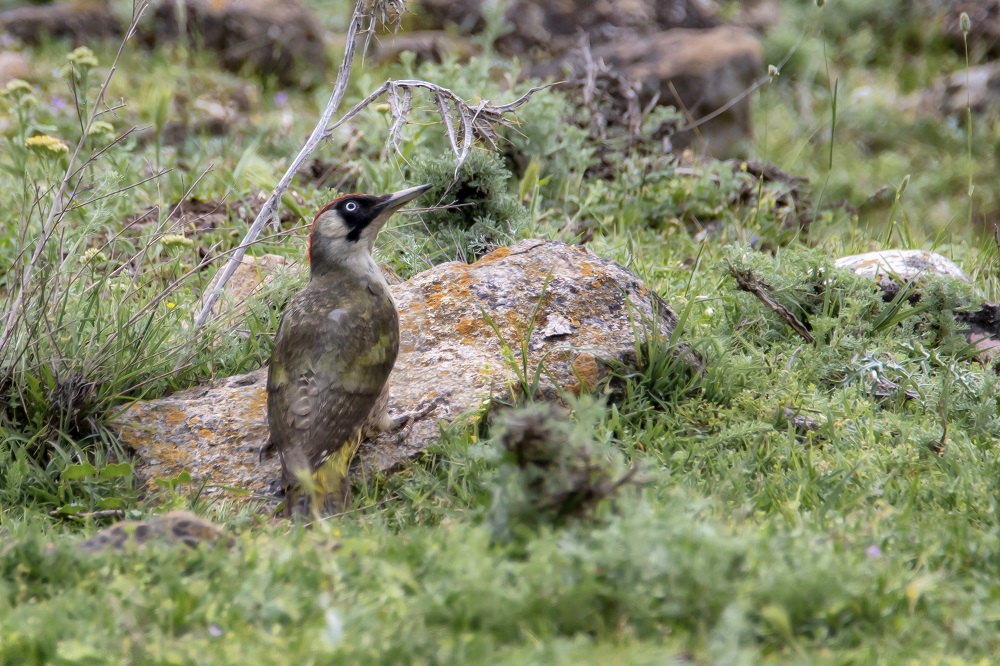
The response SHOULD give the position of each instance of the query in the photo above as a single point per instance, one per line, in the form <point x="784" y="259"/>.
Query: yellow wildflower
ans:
<point x="82" y="57"/>
<point x="102" y="128"/>
<point x="94" y="254"/>
<point x="175" y="240"/>
<point x="45" y="144"/>
<point x="14" y="87"/>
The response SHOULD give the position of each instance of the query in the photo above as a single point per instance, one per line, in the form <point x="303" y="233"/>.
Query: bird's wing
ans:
<point x="319" y="388"/>
<point x="314" y="417"/>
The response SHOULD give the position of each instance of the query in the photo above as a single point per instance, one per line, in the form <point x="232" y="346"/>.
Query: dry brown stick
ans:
<point x="476" y="122"/>
<point x="747" y="281"/>
<point x="938" y="447"/>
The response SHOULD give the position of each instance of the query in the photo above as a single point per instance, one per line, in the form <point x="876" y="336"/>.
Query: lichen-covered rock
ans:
<point x="581" y="312"/>
<point x="251" y="275"/>
<point x="175" y="527"/>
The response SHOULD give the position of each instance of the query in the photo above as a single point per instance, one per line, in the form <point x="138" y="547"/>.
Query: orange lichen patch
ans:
<point x="467" y="327"/>
<point x="587" y="372"/>
<point x="585" y="268"/>
<point x="175" y="417"/>
<point x="205" y="433"/>
<point x="434" y="300"/>
<point x="495" y="255"/>
<point x="259" y="401"/>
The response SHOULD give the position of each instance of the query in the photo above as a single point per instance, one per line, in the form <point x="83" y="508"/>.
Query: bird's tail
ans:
<point x="329" y="490"/>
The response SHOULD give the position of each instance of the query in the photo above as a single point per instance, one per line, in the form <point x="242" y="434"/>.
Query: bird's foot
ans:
<point x="401" y="425"/>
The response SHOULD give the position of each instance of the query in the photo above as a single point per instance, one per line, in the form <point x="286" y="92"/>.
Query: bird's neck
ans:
<point x="358" y="268"/>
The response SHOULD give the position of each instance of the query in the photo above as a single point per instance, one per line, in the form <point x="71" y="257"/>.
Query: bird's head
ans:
<point x="343" y="232"/>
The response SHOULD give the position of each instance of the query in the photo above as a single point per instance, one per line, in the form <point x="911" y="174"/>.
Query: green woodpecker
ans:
<point x="336" y="344"/>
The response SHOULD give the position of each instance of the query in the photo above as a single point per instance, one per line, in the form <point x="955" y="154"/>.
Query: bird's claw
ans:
<point x="402" y="424"/>
<point x="423" y="409"/>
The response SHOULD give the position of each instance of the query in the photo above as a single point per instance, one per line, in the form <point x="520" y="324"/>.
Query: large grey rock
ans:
<point x="976" y="88"/>
<point x="554" y="26"/>
<point x="700" y="72"/>
<point x="82" y="21"/>
<point x="586" y="307"/>
<point x="277" y="37"/>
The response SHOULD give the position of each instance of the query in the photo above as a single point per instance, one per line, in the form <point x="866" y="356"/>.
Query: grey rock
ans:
<point x="553" y="26"/>
<point x="13" y="66"/>
<point x="426" y="45"/>
<point x="81" y="22"/>
<point x="977" y="88"/>
<point x="449" y="353"/>
<point x="272" y="37"/>
<point x="904" y="264"/>
<point x="984" y="23"/>
<point x="700" y="72"/>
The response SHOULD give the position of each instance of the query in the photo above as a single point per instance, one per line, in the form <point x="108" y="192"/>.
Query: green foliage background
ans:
<point x="750" y="539"/>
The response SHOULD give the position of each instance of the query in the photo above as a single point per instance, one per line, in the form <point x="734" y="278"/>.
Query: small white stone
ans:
<point x="905" y="265"/>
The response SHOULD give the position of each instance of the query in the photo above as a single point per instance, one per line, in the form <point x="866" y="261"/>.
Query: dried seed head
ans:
<point x="965" y="23"/>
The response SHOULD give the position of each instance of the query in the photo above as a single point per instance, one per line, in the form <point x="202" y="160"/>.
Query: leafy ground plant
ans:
<point x="826" y="502"/>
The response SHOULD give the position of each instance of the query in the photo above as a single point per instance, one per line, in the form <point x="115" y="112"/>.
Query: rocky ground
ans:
<point x="701" y="338"/>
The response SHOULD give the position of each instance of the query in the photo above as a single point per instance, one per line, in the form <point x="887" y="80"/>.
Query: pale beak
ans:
<point x="392" y="202"/>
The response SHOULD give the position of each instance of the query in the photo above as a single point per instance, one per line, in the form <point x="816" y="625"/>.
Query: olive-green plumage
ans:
<point x="335" y="347"/>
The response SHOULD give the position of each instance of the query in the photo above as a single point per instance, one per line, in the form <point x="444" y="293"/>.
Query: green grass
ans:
<point x="748" y="541"/>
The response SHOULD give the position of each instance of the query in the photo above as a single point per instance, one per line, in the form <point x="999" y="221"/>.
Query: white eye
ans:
<point x="351" y="207"/>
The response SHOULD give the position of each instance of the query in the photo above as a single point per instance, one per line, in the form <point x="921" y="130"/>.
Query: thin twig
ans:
<point x="747" y="281"/>
<point x="56" y="211"/>
<point x="270" y="207"/>
<point x="477" y="122"/>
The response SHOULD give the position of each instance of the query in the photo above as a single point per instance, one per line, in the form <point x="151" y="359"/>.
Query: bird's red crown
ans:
<point x="322" y="210"/>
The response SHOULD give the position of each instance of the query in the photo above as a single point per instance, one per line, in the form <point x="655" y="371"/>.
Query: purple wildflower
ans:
<point x="280" y="99"/>
<point x="57" y="102"/>
<point x="873" y="551"/>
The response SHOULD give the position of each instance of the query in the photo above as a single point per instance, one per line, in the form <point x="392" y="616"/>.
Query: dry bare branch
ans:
<point x="399" y="107"/>
<point x="479" y="122"/>
<point x="747" y="281"/>
<point x="270" y="208"/>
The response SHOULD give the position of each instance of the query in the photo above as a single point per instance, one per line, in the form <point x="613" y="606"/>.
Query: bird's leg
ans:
<point x="266" y="451"/>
